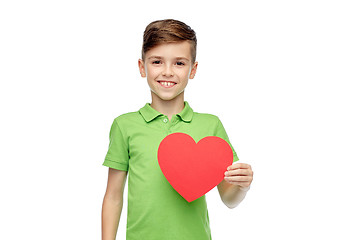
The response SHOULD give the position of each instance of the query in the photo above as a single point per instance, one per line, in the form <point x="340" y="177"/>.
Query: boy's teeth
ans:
<point x="167" y="83"/>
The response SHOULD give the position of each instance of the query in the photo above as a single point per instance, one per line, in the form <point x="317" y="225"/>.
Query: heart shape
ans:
<point x="193" y="168"/>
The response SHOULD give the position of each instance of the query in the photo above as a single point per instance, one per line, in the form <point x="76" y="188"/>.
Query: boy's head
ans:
<point x="168" y="59"/>
<point x="168" y="31"/>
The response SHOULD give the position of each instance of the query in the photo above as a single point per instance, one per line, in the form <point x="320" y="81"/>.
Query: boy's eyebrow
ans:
<point x="182" y="58"/>
<point x="177" y="58"/>
<point x="155" y="57"/>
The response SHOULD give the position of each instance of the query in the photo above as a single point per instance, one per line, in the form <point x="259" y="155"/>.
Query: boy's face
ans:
<point x="168" y="68"/>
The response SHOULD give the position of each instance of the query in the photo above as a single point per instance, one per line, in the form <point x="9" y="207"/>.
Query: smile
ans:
<point x="167" y="84"/>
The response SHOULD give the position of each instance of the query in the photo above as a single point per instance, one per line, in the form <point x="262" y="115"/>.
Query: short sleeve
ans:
<point x="221" y="132"/>
<point x="118" y="153"/>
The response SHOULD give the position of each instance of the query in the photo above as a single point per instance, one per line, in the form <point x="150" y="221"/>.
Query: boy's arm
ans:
<point x="235" y="184"/>
<point x="113" y="203"/>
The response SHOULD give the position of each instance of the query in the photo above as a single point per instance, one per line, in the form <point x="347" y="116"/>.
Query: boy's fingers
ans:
<point x="238" y="172"/>
<point x="240" y="181"/>
<point x="239" y="165"/>
<point x="238" y="178"/>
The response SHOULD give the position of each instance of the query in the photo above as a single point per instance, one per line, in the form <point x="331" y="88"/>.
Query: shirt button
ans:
<point x="165" y="120"/>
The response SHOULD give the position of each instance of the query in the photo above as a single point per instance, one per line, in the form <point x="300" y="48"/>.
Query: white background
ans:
<point x="277" y="73"/>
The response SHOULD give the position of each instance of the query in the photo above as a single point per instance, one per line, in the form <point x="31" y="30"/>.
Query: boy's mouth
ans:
<point x="167" y="84"/>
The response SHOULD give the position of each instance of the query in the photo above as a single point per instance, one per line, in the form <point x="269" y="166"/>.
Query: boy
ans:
<point x="155" y="210"/>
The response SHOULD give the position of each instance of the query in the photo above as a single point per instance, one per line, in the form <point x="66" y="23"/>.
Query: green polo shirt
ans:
<point x="155" y="210"/>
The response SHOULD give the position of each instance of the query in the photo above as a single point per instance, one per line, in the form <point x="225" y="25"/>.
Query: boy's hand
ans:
<point x="239" y="174"/>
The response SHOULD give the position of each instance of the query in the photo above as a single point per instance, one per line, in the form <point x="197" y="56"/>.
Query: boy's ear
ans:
<point x="193" y="70"/>
<point x="142" y="68"/>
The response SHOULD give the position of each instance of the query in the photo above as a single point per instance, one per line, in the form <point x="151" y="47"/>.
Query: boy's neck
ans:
<point x="170" y="107"/>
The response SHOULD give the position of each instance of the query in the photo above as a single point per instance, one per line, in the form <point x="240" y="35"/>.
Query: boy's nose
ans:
<point x="168" y="71"/>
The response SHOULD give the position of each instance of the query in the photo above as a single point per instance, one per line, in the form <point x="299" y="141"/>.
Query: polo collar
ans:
<point x="187" y="113"/>
<point x="149" y="113"/>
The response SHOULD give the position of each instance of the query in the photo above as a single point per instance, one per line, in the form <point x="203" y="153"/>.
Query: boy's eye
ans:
<point x="156" y="62"/>
<point x="180" y="63"/>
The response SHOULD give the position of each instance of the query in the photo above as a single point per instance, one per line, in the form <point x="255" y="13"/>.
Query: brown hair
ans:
<point x="168" y="31"/>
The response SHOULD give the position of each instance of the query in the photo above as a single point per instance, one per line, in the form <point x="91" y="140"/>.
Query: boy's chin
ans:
<point x="167" y="98"/>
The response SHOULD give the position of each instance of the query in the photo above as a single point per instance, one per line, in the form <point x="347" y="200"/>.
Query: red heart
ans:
<point x="194" y="169"/>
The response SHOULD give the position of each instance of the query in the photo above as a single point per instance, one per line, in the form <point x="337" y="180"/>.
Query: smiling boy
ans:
<point x="155" y="210"/>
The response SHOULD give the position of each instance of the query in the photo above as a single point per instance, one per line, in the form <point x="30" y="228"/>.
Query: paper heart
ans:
<point x="193" y="168"/>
